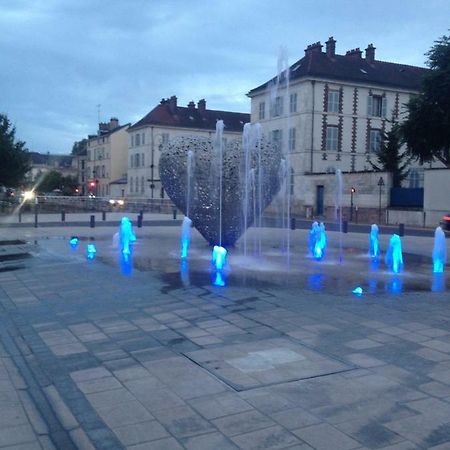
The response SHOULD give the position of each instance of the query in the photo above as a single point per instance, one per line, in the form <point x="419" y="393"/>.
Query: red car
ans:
<point x="446" y="222"/>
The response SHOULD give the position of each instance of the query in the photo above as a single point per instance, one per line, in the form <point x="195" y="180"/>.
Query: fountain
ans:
<point x="74" y="241"/>
<point x="439" y="251"/>
<point x="374" y="248"/>
<point x="394" y="256"/>
<point x="219" y="257"/>
<point x="126" y="236"/>
<point x="91" y="251"/>
<point x="185" y="236"/>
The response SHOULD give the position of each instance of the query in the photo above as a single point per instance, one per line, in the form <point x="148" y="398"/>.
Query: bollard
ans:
<point x="141" y="213"/>
<point x="92" y="222"/>
<point x="103" y="215"/>
<point x="174" y="213"/>
<point x="139" y="221"/>
<point x="401" y="229"/>
<point x="63" y="216"/>
<point x="292" y="223"/>
<point x="20" y="216"/>
<point x="344" y="226"/>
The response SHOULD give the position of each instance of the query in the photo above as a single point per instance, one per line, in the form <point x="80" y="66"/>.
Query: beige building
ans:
<point x="333" y="113"/>
<point x="164" y="123"/>
<point x="106" y="157"/>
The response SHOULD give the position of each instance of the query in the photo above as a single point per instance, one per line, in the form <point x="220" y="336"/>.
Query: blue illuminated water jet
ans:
<point x="374" y="247"/>
<point x="219" y="279"/>
<point x="438" y="282"/>
<point x="185" y="236"/>
<point x="91" y="251"/>
<point x="394" y="256"/>
<point x="394" y="285"/>
<point x="126" y="235"/>
<point x="317" y="240"/>
<point x="358" y="291"/>
<point x="74" y="241"/>
<point x="184" y="272"/>
<point x="219" y="257"/>
<point x="439" y="251"/>
<point x="126" y="263"/>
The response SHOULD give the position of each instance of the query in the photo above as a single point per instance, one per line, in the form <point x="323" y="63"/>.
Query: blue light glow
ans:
<point x="126" y="235"/>
<point x="184" y="272"/>
<point x="219" y="257"/>
<point x="317" y="240"/>
<point x="91" y="251"/>
<point x="394" y="256"/>
<point x="439" y="251"/>
<point x="438" y="283"/>
<point x="219" y="279"/>
<point x="74" y="241"/>
<point x="126" y="263"/>
<point x="315" y="281"/>
<point x="358" y="291"/>
<point x="395" y="285"/>
<point x="185" y="236"/>
<point x="374" y="247"/>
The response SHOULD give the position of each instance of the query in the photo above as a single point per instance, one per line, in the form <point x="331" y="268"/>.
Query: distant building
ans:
<point x="163" y="123"/>
<point x="334" y="111"/>
<point x="106" y="157"/>
<point x="42" y="163"/>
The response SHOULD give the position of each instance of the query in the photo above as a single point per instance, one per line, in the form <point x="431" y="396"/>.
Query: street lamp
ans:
<point x="380" y="184"/>
<point x="352" y="191"/>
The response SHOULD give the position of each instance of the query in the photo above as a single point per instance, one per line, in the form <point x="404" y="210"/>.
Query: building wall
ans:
<point x="146" y="172"/>
<point x="436" y="201"/>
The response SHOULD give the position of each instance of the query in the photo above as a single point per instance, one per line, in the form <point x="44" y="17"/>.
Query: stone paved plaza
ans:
<point x="92" y="359"/>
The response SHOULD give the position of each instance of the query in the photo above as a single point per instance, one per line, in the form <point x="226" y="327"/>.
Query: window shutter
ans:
<point x="369" y="105"/>
<point x="383" y="106"/>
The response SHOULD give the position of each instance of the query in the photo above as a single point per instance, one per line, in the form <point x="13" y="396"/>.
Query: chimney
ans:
<point x="173" y="104"/>
<point x="191" y="105"/>
<point x="201" y="105"/>
<point x="370" y="53"/>
<point x="113" y="123"/>
<point x="354" y="53"/>
<point x="330" y="46"/>
<point x="313" y="48"/>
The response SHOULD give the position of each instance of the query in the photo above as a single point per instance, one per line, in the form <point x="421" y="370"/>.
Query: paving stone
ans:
<point x="98" y="385"/>
<point x="295" y="418"/>
<point x="219" y="405"/>
<point x="269" y="438"/>
<point x="213" y="441"/>
<point x="242" y="423"/>
<point x="162" y="444"/>
<point x="140" y="432"/>
<point x="326" y="437"/>
<point x="127" y="413"/>
<point x="17" y="435"/>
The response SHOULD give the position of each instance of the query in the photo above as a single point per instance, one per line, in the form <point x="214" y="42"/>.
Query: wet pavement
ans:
<point x="105" y="355"/>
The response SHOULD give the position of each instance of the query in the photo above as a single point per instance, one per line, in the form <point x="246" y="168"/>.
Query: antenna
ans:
<point x="98" y="112"/>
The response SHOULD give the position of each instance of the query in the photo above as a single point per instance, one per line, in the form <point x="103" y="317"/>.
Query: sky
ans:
<point x="59" y="60"/>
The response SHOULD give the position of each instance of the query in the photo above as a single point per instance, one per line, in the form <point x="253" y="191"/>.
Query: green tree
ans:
<point x="79" y="147"/>
<point x="55" y="180"/>
<point x="426" y="131"/>
<point x="14" y="157"/>
<point x="390" y="158"/>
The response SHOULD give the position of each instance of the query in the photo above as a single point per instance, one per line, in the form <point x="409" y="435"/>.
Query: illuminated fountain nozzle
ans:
<point x="219" y="257"/>
<point x="91" y="251"/>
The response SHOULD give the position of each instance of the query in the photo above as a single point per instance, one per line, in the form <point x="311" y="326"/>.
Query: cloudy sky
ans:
<point x="60" y="59"/>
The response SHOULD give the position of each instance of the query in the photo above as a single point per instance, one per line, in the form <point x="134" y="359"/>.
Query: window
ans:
<point x="83" y="164"/>
<point x="376" y="106"/>
<point x="136" y="160"/>
<point x="137" y="139"/>
<point x="293" y="103"/>
<point x="291" y="139"/>
<point x="374" y="141"/>
<point x="143" y="138"/>
<point x="142" y="159"/>
<point x="262" y="110"/>
<point x="415" y="178"/>
<point x="132" y="140"/>
<point x="165" y="138"/>
<point x="332" y="139"/>
<point x="333" y="101"/>
<point x="276" y="138"/>
<point x="277" y="109"/>
<point x="142" y="185"/>
<point x="103" y="171"/>
<point x="131" y="184"/>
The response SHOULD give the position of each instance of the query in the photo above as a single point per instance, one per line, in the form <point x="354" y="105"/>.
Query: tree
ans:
<point x="426" y="131"/>
<point x="79" y="147"/>
<point x="390" y="158"/>
<point x="55" y="180"/>
<point x="14" y="158"/>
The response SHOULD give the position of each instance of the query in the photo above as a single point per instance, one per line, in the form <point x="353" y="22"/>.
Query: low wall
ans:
<point x="408" y="217"/>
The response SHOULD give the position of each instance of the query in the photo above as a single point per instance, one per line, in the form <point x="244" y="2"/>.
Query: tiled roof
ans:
<point x="167" y="114"/>
<point x="354" y="69"/>
<point x="105" y="133"/>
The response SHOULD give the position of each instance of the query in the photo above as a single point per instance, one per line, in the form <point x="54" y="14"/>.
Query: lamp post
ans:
<point x="380" y="185"/>
<point x="352" y="191"/>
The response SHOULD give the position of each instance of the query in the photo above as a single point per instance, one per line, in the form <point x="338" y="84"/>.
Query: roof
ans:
<point x="353" y="68"/>
<point x="167" y="114"/>
<point x="108" y="133"/>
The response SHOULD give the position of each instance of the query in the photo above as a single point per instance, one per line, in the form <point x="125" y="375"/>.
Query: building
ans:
<point x="106" y="157"/>
<point x="163" y="123"/>
<point x="332" y="111"/>
<point x="43" y="163"/>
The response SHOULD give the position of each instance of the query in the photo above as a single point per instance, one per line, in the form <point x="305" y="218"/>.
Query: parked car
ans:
<point x="446" y="222"/>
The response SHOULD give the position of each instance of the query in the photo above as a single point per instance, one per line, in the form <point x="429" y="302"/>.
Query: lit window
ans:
<point x="293" y="103"/>
<point x="374" y="141"/>
<point x="262" y="110"/>
<point x="332" y="139"/>
<point x="333" y="101"/>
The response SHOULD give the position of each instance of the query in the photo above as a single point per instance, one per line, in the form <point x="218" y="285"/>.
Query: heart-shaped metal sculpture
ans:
<point x="221" y="195"/>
